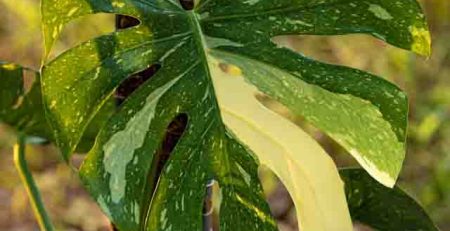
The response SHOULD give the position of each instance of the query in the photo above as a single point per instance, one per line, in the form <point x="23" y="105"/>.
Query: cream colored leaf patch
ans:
<point x="307" y="171"/>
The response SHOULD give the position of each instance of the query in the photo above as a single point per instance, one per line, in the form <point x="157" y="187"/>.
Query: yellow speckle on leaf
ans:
<point x="55" y="33"/>
<point x="9" y="66"/>
<point x="421" y="43"/>
<point x="257" y="211"/>
<point x="53" y="104"/>
<point x="230" y="69"/>
<point x="234" y="70"/>
<point x="118" y="4"/>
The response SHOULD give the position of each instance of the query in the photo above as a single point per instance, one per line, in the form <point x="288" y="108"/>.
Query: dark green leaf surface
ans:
<point x="22" y="110"/>
<point x="382" y="208"/>
<point x="364" y="113"/>
<point x="400" y="23"/>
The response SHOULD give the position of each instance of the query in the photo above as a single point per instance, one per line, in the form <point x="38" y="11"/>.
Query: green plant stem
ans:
<point x="27" y="179"/>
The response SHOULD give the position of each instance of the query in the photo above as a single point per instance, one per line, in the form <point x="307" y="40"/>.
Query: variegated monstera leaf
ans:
<point x="213" y="61"/>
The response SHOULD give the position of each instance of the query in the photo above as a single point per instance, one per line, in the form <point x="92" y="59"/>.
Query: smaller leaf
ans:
<point x="23" y="110"/>
<point x="380" y="207"/>
<point x="18" y="108"/>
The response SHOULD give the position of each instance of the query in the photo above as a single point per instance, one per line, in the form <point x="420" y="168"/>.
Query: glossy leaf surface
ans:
<point x="383" y="208"/>
<point x="364" y="113"/>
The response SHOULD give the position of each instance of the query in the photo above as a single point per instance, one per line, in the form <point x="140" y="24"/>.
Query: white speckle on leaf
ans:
<point x="137" y="215"/>
<point x="102" y="203"/>
<point x="380" y="12"/>
<point x="251" y="2"/>
<point x="169" y="52"/>
<point x="182" y="202"/>
<point x="163" y="219"/>
<point x="244" y="173"/>
<point x="213" y="42"/>
<point x="298" y="22"/>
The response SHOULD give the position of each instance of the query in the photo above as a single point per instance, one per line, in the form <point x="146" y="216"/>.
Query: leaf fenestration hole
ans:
<point x="83" y="29"/>
<point x="187" y="4"/>
<point x="125" y="21"/>
<point x="280" y="201"/>
<point x="362" y="227"/>
<point x="132" y="83"/>
<point x="336" y="49"/>
<point x="174" y="132"/>
<point x="29" y="79"/>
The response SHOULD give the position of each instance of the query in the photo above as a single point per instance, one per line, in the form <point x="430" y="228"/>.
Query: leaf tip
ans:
<point x="383" y="176"/>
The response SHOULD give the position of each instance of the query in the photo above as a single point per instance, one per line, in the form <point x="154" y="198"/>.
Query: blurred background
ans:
<point x="425" y="176"/>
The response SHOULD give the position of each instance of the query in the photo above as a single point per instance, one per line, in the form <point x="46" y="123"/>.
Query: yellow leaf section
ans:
<point x="303" y="166"/>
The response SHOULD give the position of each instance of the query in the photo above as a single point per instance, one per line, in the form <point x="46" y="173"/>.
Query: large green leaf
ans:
<point x="364" y="113"/>
<point x="383" y="208"/>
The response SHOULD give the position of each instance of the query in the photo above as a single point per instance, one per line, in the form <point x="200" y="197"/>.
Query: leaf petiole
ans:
<point x="27" y="179"/>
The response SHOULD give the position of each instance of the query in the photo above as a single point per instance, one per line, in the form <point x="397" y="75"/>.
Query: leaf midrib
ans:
<point x="202" y="49"/>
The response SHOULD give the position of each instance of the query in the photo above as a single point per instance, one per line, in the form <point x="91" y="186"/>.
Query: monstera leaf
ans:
<point x="382" y="208"/>
<point x="213" y="61"/>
